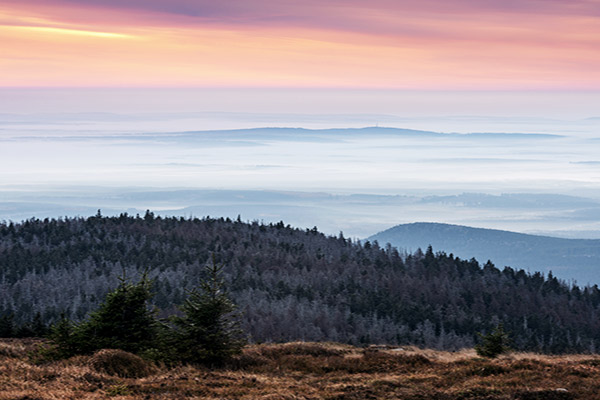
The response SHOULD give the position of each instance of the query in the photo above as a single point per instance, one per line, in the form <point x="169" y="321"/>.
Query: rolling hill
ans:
<point x="568" y="259"/>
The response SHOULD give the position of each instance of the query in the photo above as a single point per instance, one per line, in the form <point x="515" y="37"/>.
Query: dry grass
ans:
<point x="120" y="363"/>
<point x="311" y="371"/>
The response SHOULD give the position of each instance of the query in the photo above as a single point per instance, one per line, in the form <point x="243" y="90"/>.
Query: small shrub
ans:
<point x="118" y="390"/>
<point x="120" y="363"/>
<point x="46" y="353"/>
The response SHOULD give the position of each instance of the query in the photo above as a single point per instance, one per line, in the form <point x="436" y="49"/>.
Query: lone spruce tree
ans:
<point x="494" y="343"/>
<point x="208" y="332"/>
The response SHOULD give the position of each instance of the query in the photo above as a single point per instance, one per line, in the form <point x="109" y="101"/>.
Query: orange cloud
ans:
<point x="385" y="46"/>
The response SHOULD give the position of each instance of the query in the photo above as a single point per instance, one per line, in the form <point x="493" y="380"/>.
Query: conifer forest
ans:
<point x="289" y="284"/>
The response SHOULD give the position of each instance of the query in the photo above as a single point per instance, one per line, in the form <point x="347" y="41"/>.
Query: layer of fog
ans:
<point x="359" y="181"/>
<point x="72" y="151"/>
<point x="373" y="160"/>
<point x="356" y="215"/>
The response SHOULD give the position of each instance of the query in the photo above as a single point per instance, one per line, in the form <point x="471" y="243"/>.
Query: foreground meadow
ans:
<point x="302" y="371"/>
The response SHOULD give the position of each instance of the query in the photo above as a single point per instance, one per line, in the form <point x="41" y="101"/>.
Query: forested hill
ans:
<point x="574" y="259"/>
<point x="292" y="284"/>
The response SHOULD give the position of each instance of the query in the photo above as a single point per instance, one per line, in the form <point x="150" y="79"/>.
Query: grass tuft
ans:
<point x="120" y="363"/>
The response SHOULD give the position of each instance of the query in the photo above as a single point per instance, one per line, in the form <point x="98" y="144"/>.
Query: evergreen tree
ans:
<point x="61" y="335"/>
<point x="25" y="331"/>
<point x="208" y="332"/>
<point x="494" y="343"/>
<point x="7" y="326"/>
<point x="38" y="327"/>
<point x="123" y="321"/>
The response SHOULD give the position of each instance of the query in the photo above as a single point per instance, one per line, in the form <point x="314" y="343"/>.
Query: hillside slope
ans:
<point x="569" y="259"/>
<point x="291" y="284"/>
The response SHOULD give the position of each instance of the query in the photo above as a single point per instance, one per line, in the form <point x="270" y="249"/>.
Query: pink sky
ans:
<point x="429" y="44"/>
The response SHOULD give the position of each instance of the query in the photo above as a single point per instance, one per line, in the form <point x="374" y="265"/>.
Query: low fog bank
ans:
<point x="377" y="160"/>
<point x="356" y="215"/>
<point x="535" y="174"/>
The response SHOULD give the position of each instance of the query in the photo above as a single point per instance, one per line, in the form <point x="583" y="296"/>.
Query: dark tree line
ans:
<point x="291" y="284"/>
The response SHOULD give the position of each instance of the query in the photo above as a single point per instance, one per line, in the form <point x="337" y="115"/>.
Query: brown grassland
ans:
<point x="301" y="371"/>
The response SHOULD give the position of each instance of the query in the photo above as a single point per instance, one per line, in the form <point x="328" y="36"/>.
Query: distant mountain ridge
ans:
<point x="568" y="259"/>
<point x="297" y="133"/>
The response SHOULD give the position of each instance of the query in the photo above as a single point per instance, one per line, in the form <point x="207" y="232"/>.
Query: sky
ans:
<point x="104" y="93"/>
<point x="472" y="45"/>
